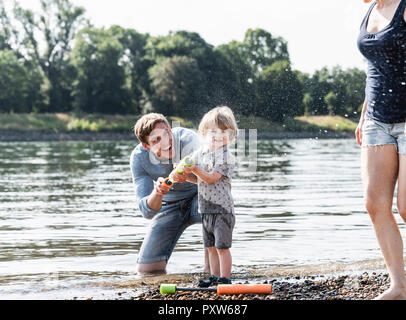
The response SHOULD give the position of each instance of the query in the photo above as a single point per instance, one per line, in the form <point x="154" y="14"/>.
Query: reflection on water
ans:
<point x="68" y="215"/>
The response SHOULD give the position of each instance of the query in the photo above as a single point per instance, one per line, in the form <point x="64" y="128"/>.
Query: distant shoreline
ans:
<point x="34" y="135"/>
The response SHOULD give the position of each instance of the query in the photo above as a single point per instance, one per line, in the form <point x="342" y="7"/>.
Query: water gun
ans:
<point x="222" y="289"/>
<point x="186" y="162"/>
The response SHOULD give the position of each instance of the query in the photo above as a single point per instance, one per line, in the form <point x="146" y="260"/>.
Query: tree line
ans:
<point x="55" y="60"/>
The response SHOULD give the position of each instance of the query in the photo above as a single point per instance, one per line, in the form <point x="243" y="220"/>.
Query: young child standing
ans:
<point x="212" y="171"/>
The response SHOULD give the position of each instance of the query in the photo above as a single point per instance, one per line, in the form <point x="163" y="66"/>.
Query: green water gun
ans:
<point x="186" y="162"/>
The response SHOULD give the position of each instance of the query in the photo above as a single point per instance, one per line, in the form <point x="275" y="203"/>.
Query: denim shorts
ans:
<point x="166" y="228"/>
<point x="376" y="133"/>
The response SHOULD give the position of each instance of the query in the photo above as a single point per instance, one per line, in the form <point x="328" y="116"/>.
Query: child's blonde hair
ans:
<point x="223" y="118"/>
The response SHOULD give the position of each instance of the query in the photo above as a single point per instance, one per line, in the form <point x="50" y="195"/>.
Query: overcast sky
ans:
<point x="319" y="32"/>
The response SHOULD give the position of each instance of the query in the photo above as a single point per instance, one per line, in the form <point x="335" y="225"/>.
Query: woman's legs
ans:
<point x="380" y="166"/>
<point x="401" y="203"/>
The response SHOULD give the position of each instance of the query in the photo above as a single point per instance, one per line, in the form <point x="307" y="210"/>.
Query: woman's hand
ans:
<point x="358" y="131"/>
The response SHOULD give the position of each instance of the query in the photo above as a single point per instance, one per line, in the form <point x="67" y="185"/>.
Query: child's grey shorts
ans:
<point x="218" y="229"/>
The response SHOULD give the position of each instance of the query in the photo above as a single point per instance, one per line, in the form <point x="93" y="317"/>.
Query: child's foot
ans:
<point x="224" y="281"/>
<point x="207" y="283"/>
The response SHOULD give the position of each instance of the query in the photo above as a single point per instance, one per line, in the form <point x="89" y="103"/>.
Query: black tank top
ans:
<point x="385" y="52"/>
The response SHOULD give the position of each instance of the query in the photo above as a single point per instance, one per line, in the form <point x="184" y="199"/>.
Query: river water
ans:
<point x="69" y="221"/>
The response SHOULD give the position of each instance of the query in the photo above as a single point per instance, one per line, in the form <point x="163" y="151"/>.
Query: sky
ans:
<point x="320" y="33"/>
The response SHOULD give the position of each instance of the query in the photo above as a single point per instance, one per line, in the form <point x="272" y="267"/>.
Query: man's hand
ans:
<point x="160" y="188"/>
<point x="154" y="200"/>
<point x="179" y="178"/>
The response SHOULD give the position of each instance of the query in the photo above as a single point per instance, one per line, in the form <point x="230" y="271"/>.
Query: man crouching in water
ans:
<point x="171" y="210"/>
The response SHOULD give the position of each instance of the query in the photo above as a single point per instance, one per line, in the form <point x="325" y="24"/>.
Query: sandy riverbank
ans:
<point x="354" y="286"/>
<point x="363" y="280"/>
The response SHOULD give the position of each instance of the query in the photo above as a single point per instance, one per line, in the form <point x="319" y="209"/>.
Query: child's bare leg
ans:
<point x="214" y="261"/>
<point x="225" y="262"/>
<point x="206" y="261"/>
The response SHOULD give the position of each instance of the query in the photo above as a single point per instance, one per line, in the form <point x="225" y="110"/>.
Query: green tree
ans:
<point x="55" y="26"/>
<point x="347" y="85"/>
<point x="218" y="77"/>
<point x="5" y="28"/>
<point x="307" y="103"/>
<point x="135" y="62"/>
<point x="178" y="86"/>
<point x="261" y="49"/>
<point x="319" y="85"/>
<point x="101" y="85"/>
<point x="280" y="93"/>
<point x="248" y="60"/>
<point x="242" y="79"/>
<point x="331" y="100"/>
<point x="19" y="86"/>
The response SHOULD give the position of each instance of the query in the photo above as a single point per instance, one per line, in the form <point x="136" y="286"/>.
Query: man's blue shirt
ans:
<point x="146" y="168"/>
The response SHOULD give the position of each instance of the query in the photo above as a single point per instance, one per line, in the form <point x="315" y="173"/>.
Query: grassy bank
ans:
<point x="70" y="122"/>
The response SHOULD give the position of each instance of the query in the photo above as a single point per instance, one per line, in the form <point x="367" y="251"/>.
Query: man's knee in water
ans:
<point x="154" y="267"/>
